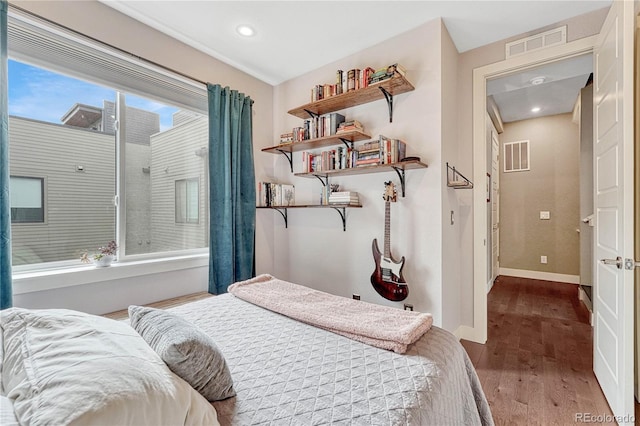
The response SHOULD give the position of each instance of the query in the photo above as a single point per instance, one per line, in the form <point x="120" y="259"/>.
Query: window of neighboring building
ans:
<point x="27" y="199"/>
<point x="187" y="200"/>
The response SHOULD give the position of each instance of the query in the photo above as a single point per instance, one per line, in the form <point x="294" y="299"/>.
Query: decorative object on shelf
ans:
<point x="456" y="180"/>
<point x="387" y="277"/>
<point x="103" y="256"/>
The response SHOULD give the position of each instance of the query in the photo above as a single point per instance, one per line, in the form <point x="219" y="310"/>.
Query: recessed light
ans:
<point x="535" y="109"/>
<point x="537" y="80"/>
<point x="245" y="30"/>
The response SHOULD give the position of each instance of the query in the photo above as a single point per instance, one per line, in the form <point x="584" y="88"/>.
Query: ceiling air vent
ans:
<point x="538" y="41"/>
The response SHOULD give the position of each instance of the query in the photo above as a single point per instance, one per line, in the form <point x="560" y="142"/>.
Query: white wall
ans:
<point x="314" y="250"/>
<point x="452" y="199"/>
<point x="113" y="295"/>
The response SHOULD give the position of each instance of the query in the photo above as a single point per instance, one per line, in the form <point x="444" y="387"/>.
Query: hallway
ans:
<point x="536" y="367"/>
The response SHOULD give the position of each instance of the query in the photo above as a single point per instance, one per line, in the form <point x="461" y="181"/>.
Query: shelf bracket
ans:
<point x="283" y="212"/>
<point x="389" y="97"/>
<point x="324" y="182"/>
<point x="400" y="172"/>
<point x="347" y="142"/>
<point x="289" y="156"/>
<point x="342" y="211"/>
<point x="312" y="114"/>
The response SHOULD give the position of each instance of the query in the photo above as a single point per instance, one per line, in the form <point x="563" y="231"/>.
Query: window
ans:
<point x="27" y="199"/>
<point x="516" y="156"/>
<point x="101" y="127"/>
<point x="187" y="200"/>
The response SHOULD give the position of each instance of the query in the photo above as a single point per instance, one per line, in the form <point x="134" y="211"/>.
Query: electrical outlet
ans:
<point x="408" y="307"/>
<point x="543" y="259"/>
<point x="545" y="215"/>
<point x="356" y="296"/>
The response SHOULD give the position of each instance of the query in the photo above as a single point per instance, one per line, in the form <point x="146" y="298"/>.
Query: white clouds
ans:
<point x="42" y="95"/>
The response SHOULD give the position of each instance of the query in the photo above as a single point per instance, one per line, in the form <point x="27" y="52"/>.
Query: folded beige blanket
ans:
<point x="375" y="325"/>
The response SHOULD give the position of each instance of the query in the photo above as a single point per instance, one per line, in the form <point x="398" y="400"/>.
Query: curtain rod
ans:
<point x="78" y="33"/>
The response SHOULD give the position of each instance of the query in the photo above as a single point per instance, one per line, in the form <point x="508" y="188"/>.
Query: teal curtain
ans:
<point x="6" y="294"/>
<point x="232" y="191"/>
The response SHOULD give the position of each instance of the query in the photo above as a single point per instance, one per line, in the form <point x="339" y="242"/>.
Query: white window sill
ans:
<point x="29" y="282"/>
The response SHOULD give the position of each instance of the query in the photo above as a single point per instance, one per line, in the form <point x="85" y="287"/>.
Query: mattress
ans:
<point x="290" y="373"/>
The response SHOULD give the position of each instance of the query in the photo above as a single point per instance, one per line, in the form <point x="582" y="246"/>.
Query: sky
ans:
<point x="43" y="95"/>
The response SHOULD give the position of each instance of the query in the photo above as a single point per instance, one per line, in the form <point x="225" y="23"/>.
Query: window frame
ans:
<point x="43" y="191"/>
<point x="190" y="95"/>
<point x="187" y="220"/>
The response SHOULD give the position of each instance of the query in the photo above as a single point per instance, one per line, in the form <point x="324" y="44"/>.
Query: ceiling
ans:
<point x="516" y="94"/>
<point x="295" y="37"/>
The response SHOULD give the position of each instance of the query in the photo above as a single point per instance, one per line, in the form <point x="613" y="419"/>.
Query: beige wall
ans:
<point x="577" y="28"/>
<point x="552" y="184"/>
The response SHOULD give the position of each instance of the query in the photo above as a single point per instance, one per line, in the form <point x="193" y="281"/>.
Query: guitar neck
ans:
<point x="387" y="230"/>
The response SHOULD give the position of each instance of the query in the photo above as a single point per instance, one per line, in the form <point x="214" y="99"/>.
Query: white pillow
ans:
<point x="67" y="367"/>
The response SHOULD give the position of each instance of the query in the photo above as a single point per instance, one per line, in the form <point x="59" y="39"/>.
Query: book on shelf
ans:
<point x="272" y="194"/>
<point x="344" y="197"/>
<point x="351" y="125"/>
<point x="391" y="150"/>
<point x="322" y="126"/>
<point x="286" y="137"/>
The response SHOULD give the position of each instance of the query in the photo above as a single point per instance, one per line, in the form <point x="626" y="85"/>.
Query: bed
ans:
<point x="286" y="372"/>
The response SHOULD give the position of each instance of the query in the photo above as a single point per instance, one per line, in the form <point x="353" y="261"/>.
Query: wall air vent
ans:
<point x="538" y="41"/>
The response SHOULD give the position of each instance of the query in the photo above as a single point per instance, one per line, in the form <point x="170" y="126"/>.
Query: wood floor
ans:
<point x="536" y="367"/>
<point x="163" y="304"/>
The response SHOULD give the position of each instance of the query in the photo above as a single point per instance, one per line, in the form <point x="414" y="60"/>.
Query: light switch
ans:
<point x="545" y="215"/>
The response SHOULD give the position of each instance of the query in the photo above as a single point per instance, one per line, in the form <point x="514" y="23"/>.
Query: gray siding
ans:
<point x="79" y="211"/>
<point x="173" y="157"/>
<point x="138" y="198"/>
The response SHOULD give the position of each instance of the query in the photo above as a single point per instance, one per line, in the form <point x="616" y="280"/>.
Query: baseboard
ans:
<point x="467" y="333"/>
<point x="537" y="275"/>
<point x="490" y="285"/>
<point x="582" y="296"/>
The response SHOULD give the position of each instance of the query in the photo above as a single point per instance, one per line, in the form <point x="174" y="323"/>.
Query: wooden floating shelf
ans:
<point x="340" y="208"/>
<point x="393" y="86"/>
<point x="353" y="136"/>
<point x="402" y="165"/>
<point x="398" y="167"/>
<point x="312" y="206"/>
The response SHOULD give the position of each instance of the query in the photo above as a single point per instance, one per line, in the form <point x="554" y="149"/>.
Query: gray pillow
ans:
<point x="187" y="350"/>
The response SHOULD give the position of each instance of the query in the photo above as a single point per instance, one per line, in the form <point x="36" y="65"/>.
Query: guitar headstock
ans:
<point x="390" y="193"/>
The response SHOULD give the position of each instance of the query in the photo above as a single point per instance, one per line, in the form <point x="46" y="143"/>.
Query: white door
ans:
<point x="613" y="197"/>
<point x="495" y="206"/>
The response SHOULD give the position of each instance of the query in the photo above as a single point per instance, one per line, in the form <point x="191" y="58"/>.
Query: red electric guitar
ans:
<point x="387" y="278"/>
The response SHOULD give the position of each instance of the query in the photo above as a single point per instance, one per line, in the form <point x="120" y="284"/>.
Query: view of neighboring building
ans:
<point x="63" y="183"/>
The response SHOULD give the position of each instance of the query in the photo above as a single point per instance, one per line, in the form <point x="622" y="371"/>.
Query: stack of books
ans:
<point x="344" y="197"/>
<point x="349" y="126"/>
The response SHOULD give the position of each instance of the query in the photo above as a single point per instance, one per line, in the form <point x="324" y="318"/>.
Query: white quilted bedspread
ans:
<point x="289" y="373"/>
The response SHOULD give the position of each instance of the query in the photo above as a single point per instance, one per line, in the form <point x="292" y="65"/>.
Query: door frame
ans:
<point x="478" y="333"/>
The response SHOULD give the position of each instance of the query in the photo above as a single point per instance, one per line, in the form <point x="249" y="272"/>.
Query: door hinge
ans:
<point x="630" y="264"/>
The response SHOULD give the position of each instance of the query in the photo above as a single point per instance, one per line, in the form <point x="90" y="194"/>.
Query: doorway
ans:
<point x="536" y="112"/>
<point x="480" y="218"/>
